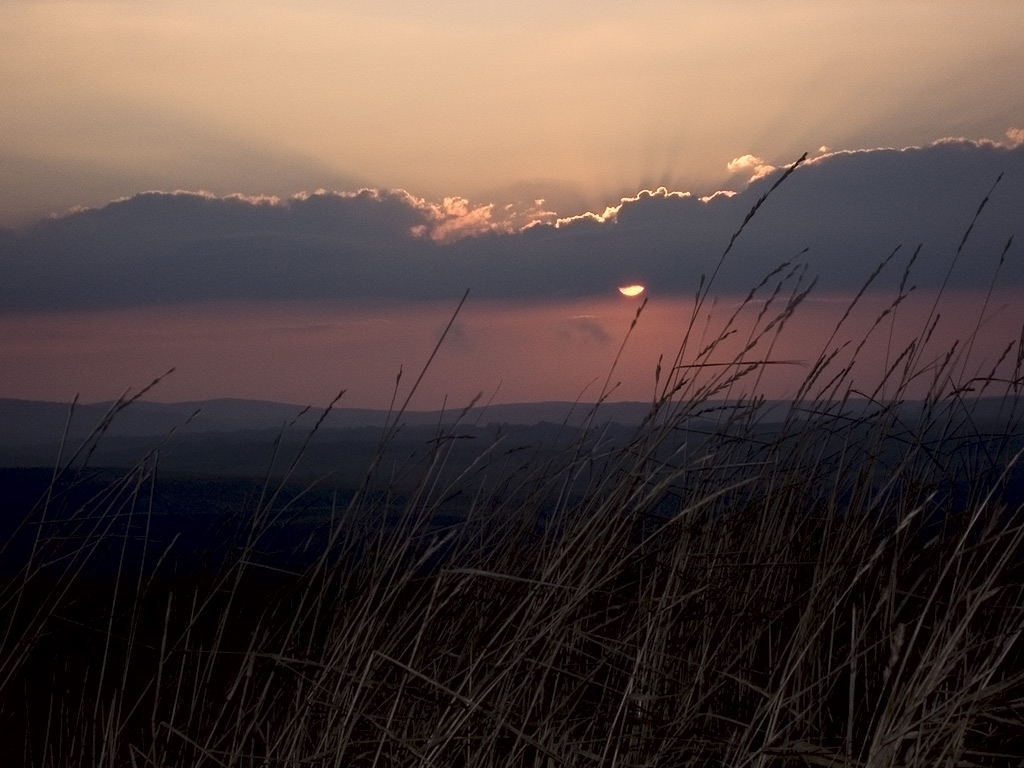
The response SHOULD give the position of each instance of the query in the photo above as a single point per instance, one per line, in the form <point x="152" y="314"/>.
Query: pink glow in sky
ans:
<point x="304" y="354"/>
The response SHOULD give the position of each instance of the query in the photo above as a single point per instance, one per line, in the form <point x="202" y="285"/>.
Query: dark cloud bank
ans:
<point x="843" y="212"/>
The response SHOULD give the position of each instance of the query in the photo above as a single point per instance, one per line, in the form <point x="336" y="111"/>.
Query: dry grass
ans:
<point x="836" y="584"/>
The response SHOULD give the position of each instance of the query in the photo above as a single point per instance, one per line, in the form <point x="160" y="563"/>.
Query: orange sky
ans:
<point x="577" y="102"/>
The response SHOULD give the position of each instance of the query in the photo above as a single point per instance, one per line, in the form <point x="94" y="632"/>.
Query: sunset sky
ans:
<point x="324" y="180"/>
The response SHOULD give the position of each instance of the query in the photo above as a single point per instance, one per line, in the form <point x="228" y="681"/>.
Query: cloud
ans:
<point x="585" y="329"/>
<point x="455" y="218"/>
<point x="750" y="163"/>
<point x="611" y="213"/>
<point x="841" y="213"/>
<point x="743" y="163"/>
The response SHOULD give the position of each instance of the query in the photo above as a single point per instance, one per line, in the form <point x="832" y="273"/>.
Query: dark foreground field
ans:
<point x="837" y="585"/>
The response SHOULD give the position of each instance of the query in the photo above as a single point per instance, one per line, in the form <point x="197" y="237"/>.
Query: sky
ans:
<point x="282" y="199"/>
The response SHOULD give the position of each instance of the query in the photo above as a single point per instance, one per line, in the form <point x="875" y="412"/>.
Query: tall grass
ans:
<point x="836" y="582"/>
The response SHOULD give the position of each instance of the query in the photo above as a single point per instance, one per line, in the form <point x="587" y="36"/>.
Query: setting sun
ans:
<point x="631" y="290"/>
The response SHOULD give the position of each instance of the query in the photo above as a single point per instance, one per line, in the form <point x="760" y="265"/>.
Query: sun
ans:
<point x="631" y="290"/>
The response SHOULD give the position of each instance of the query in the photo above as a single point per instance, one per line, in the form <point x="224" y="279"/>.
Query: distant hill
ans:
<point x="237" y="436"/>
<point x="32" y="421"/>
<point x="31" y="431"/>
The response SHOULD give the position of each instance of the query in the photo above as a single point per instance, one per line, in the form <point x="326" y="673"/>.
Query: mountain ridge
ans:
<point x="24" y="421"/>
